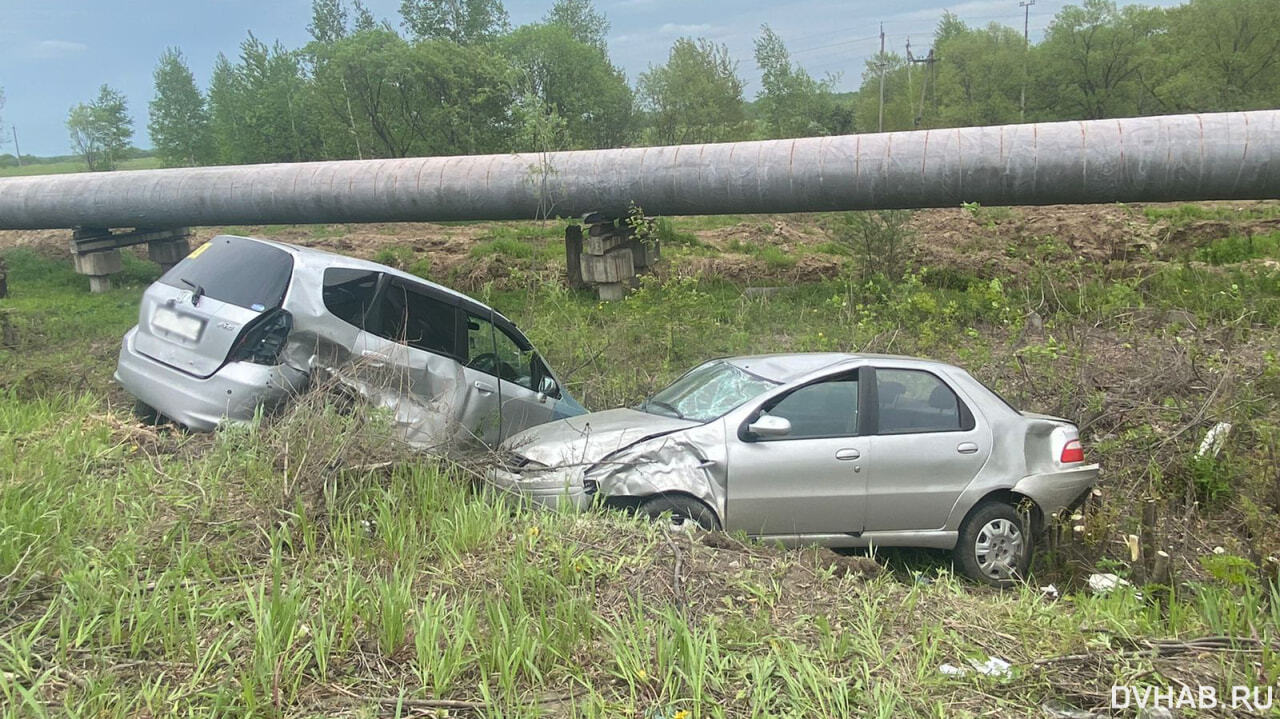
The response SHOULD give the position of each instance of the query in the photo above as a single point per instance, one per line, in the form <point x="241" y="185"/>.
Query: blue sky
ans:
<point x="55" y="53"/>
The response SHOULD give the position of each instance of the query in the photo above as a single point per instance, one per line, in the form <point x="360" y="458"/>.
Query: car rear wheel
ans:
<point x="994" y="547"/>
<point x="679" y="513"/>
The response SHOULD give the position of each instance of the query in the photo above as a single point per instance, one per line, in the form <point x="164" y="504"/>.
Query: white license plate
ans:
<point x="171" y="322"/>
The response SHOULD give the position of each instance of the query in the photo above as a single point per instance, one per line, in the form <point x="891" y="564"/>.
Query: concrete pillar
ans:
<point x="168" y="253"/>
<point x="99" y="266"/>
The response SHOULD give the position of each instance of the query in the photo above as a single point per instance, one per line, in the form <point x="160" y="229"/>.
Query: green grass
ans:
<point x="56" y="168"/>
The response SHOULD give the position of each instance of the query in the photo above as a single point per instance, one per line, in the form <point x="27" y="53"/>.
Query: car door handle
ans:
<point x="847" y="454"/>
<point x="374" y="359"/>
<point x="966" y="448"/>
<point x="484" y="387"/>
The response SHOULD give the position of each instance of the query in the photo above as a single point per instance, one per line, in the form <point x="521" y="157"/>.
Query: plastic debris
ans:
<point x="1103" y="583"/>
<point x="1059" y="710"/>
<point x="993" y="667"/>
<point x="1050" y="592"/>
<point x="1214" y="439"/>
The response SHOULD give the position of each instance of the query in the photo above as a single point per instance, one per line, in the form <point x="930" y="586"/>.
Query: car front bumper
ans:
<point x="232" y="393"/>
<point x="1056" y="491"/>
<point x="554" y="489"/>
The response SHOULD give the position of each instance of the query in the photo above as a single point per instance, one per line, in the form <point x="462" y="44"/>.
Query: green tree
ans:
<point x="462" y="21"/>
<point x="1218" y="55"/>
<point x="397" y="99"/>
<point x="580" y="17"/>
<point x="328" y="21"/>
<point x="1091" y="62"/>
<point x="899" y="97"/>
<point x="101" y="129"/>
<point x="696" y="96"/>
<point x="260" y="107"/>
<point x="575" y="81"/>
<point x="793" y="103"/>
<point x="179" y="119"/>
<point x="979" y="81"/>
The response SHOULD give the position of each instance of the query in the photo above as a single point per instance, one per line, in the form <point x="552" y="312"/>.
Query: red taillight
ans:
<point x="262" y="340"/>
<point x="1072" y="452"/>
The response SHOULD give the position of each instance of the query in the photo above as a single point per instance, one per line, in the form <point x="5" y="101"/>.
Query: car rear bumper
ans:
<point x="1056" y="491"/>
<point x="552" y="489"/>
<point x="232" y="393"/>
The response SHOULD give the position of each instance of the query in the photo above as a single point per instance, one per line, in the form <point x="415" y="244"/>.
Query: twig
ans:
<point x="677" y="586"/>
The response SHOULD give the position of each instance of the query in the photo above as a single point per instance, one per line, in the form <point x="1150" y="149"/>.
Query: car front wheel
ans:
<point x="679" y="513"/>
<point x="994" y="546"/>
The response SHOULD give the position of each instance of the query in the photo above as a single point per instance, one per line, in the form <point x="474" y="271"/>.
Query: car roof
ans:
<point x="339" y="260"/>
<point x="789" y="367"/>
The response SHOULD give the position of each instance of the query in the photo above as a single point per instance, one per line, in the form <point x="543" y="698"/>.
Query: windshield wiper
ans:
<point x="196" y="290"/>
<point x="665" y="405"/>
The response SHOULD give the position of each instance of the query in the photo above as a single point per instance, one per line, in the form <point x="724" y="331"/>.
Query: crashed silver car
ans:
<point x="843" y="450"/>
<point x="244" y="323"/>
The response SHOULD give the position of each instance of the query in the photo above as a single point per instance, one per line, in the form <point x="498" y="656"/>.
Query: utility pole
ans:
<point x="1026" y="49"/>
<point x="16" y="150"/>
<point x="928" y="61"/>
<point x="882" y="65"/>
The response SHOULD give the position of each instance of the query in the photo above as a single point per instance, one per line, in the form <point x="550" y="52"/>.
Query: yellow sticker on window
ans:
<point x="196" y="252"/>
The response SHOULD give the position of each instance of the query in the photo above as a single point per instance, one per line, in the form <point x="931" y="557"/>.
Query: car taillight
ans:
<point x="262" y="340"/>
<point x="1072" y="452"/>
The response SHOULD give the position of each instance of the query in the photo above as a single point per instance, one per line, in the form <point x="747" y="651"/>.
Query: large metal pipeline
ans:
<point x="1169" y="158"/>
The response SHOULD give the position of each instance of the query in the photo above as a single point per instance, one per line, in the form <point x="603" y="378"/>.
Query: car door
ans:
<point x="810" y="481"/>
<point x="927" y="448"/>
<point x="408" y="351"/>
<point x="502" y="368"/>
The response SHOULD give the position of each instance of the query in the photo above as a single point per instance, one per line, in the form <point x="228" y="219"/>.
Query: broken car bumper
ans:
<point x="233" y="393"/>
<point x="553" y="489"/>
<point x="1056" y="491"/>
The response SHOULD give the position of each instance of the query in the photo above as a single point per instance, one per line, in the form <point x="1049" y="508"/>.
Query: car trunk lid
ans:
<point x="191" y="318"/>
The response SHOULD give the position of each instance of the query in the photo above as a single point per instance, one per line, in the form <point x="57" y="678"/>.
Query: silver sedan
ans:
<point x="842" y="450"/>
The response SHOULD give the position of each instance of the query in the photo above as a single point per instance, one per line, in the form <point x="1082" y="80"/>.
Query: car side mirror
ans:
<point x="770" y="426"/>
<point x="548" y="387"/>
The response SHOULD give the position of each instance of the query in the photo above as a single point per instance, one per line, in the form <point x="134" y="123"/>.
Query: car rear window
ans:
<point x="236" y="270"/>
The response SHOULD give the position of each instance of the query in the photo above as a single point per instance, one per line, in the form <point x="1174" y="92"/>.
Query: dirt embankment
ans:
<point x="979" y="242"/>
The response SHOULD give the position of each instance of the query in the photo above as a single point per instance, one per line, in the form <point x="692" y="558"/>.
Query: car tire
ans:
<point x="994" y="546"/>
<point x="680" y="512"/>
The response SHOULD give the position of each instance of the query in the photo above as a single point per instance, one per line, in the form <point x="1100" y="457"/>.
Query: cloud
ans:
<point x="52" y="49"/>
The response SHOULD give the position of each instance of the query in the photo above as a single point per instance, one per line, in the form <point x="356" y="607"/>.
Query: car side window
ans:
<point x="348" y="293"/>
<point x="824" y="409"/>
<point x="412" y="317"/>
<point x="492" y="351"/>
<point x="911" y="401"/>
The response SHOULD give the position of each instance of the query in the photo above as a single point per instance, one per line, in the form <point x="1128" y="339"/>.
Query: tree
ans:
<point x="792" y="102"/>
<point x="1218" y="55"/>
<point x="582" y="20"/>
<point x="1091" y="61"/>
<point x="179" y="123"/>
<point x="328" y="21"/>
<point x="980" y="80"/>
<point x="463" y="21"/>
<point x="575" y="81"/>
<point x="260" y="106"/>
<point x="696" y="96"/>
<point x="101" y="129"/>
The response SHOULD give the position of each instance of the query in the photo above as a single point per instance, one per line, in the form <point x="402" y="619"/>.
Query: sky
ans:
<point x="56" y="53"/>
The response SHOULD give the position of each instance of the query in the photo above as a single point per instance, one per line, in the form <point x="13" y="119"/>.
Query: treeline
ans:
<point x="453" y="77"/>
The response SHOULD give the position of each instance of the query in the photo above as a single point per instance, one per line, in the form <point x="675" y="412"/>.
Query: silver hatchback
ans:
<point x="843" y="450"/>
<point x="243" y="323"/>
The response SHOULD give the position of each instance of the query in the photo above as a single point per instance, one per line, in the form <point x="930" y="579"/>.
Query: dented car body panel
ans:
<point x="244" y="323"/>
<point x="884" y="450"/>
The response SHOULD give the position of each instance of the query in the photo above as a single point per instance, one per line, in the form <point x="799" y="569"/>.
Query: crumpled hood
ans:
<point x="588" y="438"/>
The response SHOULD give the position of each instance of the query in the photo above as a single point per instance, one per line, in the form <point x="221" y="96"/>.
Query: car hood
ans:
<point x="588" y="438"/>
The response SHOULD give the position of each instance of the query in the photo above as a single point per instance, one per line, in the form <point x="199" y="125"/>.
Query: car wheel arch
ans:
<point x="633" y="503"/>
<point x="1017" y="500"/>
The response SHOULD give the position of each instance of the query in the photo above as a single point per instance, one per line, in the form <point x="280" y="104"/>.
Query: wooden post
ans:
<point x="573" y="255"/>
